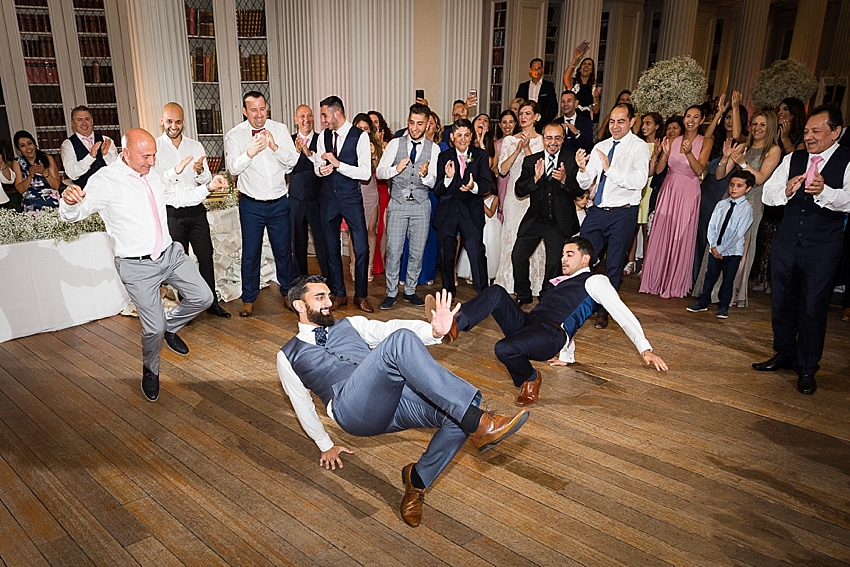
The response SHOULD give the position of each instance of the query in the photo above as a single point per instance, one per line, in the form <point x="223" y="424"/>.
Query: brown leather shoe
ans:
<point x="339" y="302"/>
<point x="451" y="336"/>
<point x="247" y="310"/>
<point x="411" y="504"/>
<point x="845" y="314"/>
<point x="493" y="428"/>
<point x="529" y="391"/>
<point x="363" y="304"/>
<point x="430" y="305"/>
<point x="601" y="320"/>
<point x="286" y="304"/>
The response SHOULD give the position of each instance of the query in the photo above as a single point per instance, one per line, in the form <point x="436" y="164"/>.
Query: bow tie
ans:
<point x="255" y="132"/>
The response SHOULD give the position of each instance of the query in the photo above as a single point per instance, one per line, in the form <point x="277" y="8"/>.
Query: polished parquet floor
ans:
<point x="710" y="463"/>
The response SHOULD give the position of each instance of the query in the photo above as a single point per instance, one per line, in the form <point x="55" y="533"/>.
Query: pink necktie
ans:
<point x="157" y="243"/>
<point x="813" y="170"/>
<point x="462" y="159"/>
<point x="559" y="279"/>
<point x="88" y="142"/>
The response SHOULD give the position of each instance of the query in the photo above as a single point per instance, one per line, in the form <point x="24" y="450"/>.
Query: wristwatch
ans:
<point x="744" y="165"/>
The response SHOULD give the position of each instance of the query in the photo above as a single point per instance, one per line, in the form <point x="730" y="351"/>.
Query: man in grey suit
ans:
<point x="411" y="162"/>
<point x="369" y="392"/>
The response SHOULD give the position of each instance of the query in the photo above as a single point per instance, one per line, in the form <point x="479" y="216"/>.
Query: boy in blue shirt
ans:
<point x="727" y="229"/>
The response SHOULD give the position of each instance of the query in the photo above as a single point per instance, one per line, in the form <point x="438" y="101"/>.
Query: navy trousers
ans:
<point x="802" y="278"/>
<point x="303" y="214"/>
<point x="336" y="207"/>
<point x="728" y="266"/>
<point x="616" y="228"/>
<point x="400" y="386"/>
<point x="527" y="337"/>
<point x="254" y="218"/>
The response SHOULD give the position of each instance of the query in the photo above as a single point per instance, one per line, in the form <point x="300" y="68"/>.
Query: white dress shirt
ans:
<point x="448" y="180"/>
<point x="833" y="198"/>
<point x="627" y="175"/>
<point x="534" y="89"/>
<point x="120" y="196"/>
<point x="167" y="159"/>
<point x="362" y="171"/>
<point x="263" y="176"/>
<point x="599" y="288"/>
<point x="386" y="169"/>
<point x="75" y="169"/>
<point x="373" y="332"/>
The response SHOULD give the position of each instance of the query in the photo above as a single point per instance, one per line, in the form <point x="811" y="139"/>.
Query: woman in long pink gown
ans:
<point x="668" y="269"/>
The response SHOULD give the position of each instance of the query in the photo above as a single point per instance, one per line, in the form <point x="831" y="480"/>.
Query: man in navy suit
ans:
<point x="549" y="177"/>
<point x="578" y="129"/>
<point x="304" y="188"/>
<point x="463" y="179"/>
<point x="540" y="90"/>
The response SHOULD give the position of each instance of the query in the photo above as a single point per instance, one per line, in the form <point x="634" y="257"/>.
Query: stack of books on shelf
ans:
<point x="48" y="116"/>
<point x="200" y="22"/>
<point x="253" y="68"/>
<point x="100" y="94"/>
<point x="94" y="47"/>
<point x="105" y="116"/>
<point x="97" y="73"/>
<point x="41" y="47"/>
<point x="33" y="22"/>
<point x="214" y="163"/>
<point x="42" y="73"/>
<point x="90" y="4"/>
<point x="251" y="23"/>
<point x="91" y="24"/>
<point x="208" y="120"/>
<point x="46" y="95"/>
<point x="51" y="140"/>
<point x="204" y="68"/>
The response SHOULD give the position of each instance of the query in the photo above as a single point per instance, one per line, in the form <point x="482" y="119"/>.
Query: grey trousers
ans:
<point x="400" y="386"/>
<point x="412" y="220"/>
<point x="142" y="279"/>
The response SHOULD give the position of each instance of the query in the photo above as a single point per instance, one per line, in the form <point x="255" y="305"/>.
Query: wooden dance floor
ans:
<point x="710" y="463"/>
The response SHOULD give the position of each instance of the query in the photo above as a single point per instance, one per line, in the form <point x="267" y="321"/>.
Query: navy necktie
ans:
<point x="413" y="153"/>
<point x="321" y="335"/>
<point x="725" y="222"/>
<point x="597" y="200"/>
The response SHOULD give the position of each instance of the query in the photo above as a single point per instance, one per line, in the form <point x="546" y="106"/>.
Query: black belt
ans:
<point x="244" y="196"/>
<point x="146" y="257"/>
<point x="620" y="207"/>
<point x="184" y="212"/>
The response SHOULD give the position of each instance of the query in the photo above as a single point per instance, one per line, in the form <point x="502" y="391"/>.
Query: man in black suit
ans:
<point x="463" y="179"/>
<point x="540" y="90"/>
<point x="304" y="188"/>
<point x="578" y="129"/>
<point x="549" y="177"/>
<point x="813" y="185"/>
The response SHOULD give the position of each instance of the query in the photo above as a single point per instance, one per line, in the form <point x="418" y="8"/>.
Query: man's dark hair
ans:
<point x="535" y="59"/>
<point x="570" y="93"/>
<point x="746" y="176"/>
<point x="585" y="248"/>
<point x="462" y="123"/>
<point x="629" y="109"/>
<point x="419" y="109"/>
<point x="81" y="108"/>
<point x="333" y="102"/>
<point x="834" y="117"/>
<point x="458" y="101"/>
<point x="298" y="289"/>
<point x="252" y="94"/>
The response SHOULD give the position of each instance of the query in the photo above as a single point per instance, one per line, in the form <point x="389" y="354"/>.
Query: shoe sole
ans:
<point x="689" y="310"/>
<point x="523" y="418"/>
<point x="177" y="351"/>
<point x="723" y="316"/>
<point x="422" y="304"/>
<point x="381" y="307"/>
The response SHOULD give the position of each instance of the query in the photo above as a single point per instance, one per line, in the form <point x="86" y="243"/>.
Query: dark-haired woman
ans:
<point x="508" y="126"/>
<point x="581" y="79"/>
<point x="668" y="267"/>
<point x="37" y="175"/>
<point x="729" y="123"/>
<point x="369" y="192"/>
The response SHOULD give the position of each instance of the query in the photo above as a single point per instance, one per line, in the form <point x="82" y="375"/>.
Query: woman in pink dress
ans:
<point x="668" y="268"/>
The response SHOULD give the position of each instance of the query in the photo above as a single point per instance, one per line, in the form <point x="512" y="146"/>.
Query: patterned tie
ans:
<point x="321" y="335"/>
<point x="725" y="222"/>
<point x="413" y="152"/>
<point x="462" y="160"/>
<point x="157" y="243"/>
<point x="597" y="200"/>
<point x="255" y="132"/>
<point x="550" y="166"/>
<point x="813" y="170"/>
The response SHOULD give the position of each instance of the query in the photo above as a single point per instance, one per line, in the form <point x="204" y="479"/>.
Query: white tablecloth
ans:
<point x="49" y="286"/>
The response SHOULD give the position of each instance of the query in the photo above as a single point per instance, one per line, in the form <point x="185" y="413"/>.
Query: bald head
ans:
<point x="172" y="121"/>
<point x="304" y="119"/>
<point x="139" y="150"/>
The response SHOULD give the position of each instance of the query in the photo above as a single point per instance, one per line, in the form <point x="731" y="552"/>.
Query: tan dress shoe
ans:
<point x="529" y="391"/>
<point x="411" y="504"/>
<point x="247" y="310"/>
<point x="845" y="314"/>
<point x="494" y="428"/>
<point x="339" y="302"/>
<point x="363" y="304"/>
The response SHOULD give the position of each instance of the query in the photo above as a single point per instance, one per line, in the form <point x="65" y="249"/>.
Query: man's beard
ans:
<point x="320" y="319"/>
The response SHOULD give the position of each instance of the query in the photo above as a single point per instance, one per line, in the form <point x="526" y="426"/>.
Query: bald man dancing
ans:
<point x="132" y="205"/>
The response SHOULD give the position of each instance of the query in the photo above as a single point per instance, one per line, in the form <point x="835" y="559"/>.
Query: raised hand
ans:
<point x="269" y="140"/>
<point x="258" y="144"/>
<point x="816" y="186"/>
<point x="330" y="158"/>
<point x="468" y="186"/>
<point x="104" y="148"/>
<point x="665" y="146"/>
<point x="402" y="165"/>
<point x="539" y="169"/>
<point x="722" y="105"/>
<point x="790" y="188"/>
<point x="443" y="314"/>
<point x="450" y="169"/>
<point x="219" y="183"/>
<point x="581" y="159"/>
<point x="560" y="174"/>
<point x="178" y="169"/>
<point x="736" y="99"/>
<point x="604" y="159"/>
<point x="727" y="148"/>
<point x="423" y="169"/>
<point x="198" y="166"/>
<point x="37" y="169"/>
<point x="686" y="147"/>
<point x="73" y="194"/>
<point x="95" y="148"/>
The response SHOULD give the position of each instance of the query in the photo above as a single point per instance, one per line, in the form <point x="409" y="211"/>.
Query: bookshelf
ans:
<point x="498" y="59"/>
<point x="550" y="58"/>
<point x="42" y="74"/>
<point x="93" y="38"/>
<point x="203" y="64"/>
<point x="253" y="46"/>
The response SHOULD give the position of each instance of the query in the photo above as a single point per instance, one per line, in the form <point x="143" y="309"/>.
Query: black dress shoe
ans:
<point x="176" y="344"/>
<point x="413" y="299"/>
<point x="523" y="301"/>
<point x="387" y="303"/>
<point x="806" y="384"/>
<point x="775" y="363"/>
<point x="601" y="321"/>
<point x="150" y="385"/>
<point x="217" y="310"/>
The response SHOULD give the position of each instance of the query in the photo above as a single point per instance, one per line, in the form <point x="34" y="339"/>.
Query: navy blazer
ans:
<point x="454" y="204"/>
<point x="585" y="141"/>
<point x="563" y="194"/>
<point x="547" y="99"/>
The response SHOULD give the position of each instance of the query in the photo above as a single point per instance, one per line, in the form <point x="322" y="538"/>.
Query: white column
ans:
<point x="748" y="46"/>
<point x="580" y="21"/>
<point x="160" y="59"/>
<point x="678" y="20"/>
<point x="839" y="60"/>
<point x="808" y="28"/>
<point x="461" y="53"/>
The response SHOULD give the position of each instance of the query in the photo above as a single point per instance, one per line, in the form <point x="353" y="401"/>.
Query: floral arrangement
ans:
<point x="669" y="87"/>
<point x="783" y="79"/>
<point x="231" y="199"/>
